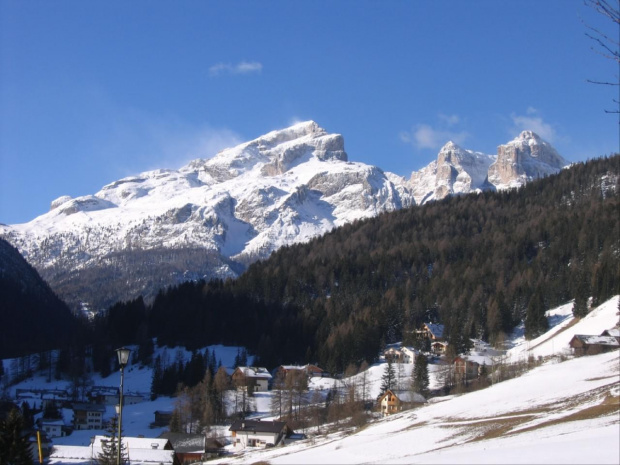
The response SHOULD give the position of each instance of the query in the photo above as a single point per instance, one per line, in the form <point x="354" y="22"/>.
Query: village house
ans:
<point x="439" y="347"/>
<point x="162" y="417"/>
<point x="104" y="395"/>
<point x="402" y="354"/>
<point x="140" y="451"/>
<point x="191" y="448"/>
<point x="432" y="331"/>
<point x="54" y="428"/>
<point x="88" y="416"/>
<point x="258" y="377"/>
<point x="394" y="401"/>
<point x="309" y="370"/>
<point x="592" y="345"/>
<point x="465" y="369"/>
<point x="257" y="433"/>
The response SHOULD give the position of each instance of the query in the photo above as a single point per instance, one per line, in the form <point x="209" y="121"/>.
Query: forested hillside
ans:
<point x="478" y="263"/>
<point x="32" y="317"/>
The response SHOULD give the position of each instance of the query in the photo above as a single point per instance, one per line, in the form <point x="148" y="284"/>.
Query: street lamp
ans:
<point x="123" y="358"/>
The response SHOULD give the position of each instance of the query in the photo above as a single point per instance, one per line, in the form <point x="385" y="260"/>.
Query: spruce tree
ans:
<point x="389" y="377"/>
<point x="535" y="320"/>
<point x="420" y="379"/>
<point x="14" y="445"/>
<point x="109" y="446"/>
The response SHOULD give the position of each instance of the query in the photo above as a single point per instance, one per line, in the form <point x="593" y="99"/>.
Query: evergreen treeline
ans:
<point x="32" y="317"/>
<point x="478" y="263"/>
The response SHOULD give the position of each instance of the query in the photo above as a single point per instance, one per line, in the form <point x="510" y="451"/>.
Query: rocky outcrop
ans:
<point x="523" y="159"/>
<point x="456" y="171"/>
<point x="461" y="171"/>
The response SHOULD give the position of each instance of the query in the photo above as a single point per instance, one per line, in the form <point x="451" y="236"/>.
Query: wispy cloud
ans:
<point x="532" y="121"/>
<point x="137" y="141"/>
<point x="243" y="67"/>
<point x="425" y="136"/>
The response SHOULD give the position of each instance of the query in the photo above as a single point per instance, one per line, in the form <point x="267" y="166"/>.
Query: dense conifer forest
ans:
<point x="32" y="317"/>
<point x="479" y="264"/>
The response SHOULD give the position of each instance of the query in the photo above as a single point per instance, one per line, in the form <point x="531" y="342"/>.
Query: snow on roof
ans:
<point x="614" y="332"/>
<point x="409" y="396"/>
<point x="85" y="454"/>
<point x="602" y="340"/>
<point x="435" y="329"/>
<point x="137" y="443"/>
<point x="255" y="372"/>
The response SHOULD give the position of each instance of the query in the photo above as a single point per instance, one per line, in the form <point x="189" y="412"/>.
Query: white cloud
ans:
<point x="243" y="67"/>
<point x="450" y="120"/>
<point x="424" y="136"/>
<point x="532" y="121"/>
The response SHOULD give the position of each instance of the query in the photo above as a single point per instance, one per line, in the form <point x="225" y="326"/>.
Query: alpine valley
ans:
<point x="213" y="217"/>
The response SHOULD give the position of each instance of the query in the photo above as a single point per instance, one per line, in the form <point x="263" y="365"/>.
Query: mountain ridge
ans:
<point x="212" y="217"/>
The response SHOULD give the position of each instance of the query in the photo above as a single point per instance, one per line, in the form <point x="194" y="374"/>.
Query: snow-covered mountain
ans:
<point x="460" y="171"/>
<point x="456" y="171"/>
<point x="212" y="217"/>
<point x="206" y="219"/>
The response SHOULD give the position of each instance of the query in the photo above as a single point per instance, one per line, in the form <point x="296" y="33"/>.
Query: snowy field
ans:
<point x="557" y="413"/>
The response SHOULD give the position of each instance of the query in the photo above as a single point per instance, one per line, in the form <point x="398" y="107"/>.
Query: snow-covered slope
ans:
<point x="556" y="413"/>
<point x="285" y="187"/>
<point x="460" y="171"/>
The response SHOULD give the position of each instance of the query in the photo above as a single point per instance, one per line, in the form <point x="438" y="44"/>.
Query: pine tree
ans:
<point x="14" y="445"/>
<point x="389" y="377"/>
<point x="535" y="320"/>
<point x="109" y="446"/>
<point x="580" y="306"/>
<point x="420" y="379"/>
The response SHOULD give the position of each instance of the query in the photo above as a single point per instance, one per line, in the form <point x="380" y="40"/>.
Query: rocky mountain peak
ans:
<point x="524" y="158"/>
<point x="207" y="219"/>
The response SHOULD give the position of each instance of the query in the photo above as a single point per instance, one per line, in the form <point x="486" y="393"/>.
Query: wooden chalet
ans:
<point x="191" y="448"/>
<point x="259" y="377"/>
<point x="394" y="401"/>
<point x="592" y="345"/>
<point x="309" y="369"/>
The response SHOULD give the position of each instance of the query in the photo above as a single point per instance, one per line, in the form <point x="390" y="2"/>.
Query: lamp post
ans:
<point x="123" y="358"/>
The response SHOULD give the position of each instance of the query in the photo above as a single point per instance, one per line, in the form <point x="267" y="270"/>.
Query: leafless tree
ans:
<point x="606" y="44"/>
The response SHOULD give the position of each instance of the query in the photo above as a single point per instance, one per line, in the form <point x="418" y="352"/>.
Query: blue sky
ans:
<point x="94" y="91"/>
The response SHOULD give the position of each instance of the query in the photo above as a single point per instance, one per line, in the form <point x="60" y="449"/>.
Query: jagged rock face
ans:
<point x="207" y="219"/>
<point x="456" y="171"/>
<point x="523" y="159"/>
<point x="460" y="171"/>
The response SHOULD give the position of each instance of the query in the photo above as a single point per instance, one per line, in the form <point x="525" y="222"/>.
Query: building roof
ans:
<point x="435" y="329"/>
<point x="184" y="443"/>
<point x="134" y="443"/>
<point x="405" y="396"/>
<point x="258" y="426"/>
<point x="254" y="372"/>
<point x="85" y="454"/>
<point x="614" y="332"/>
<point x="599" y="340"/>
